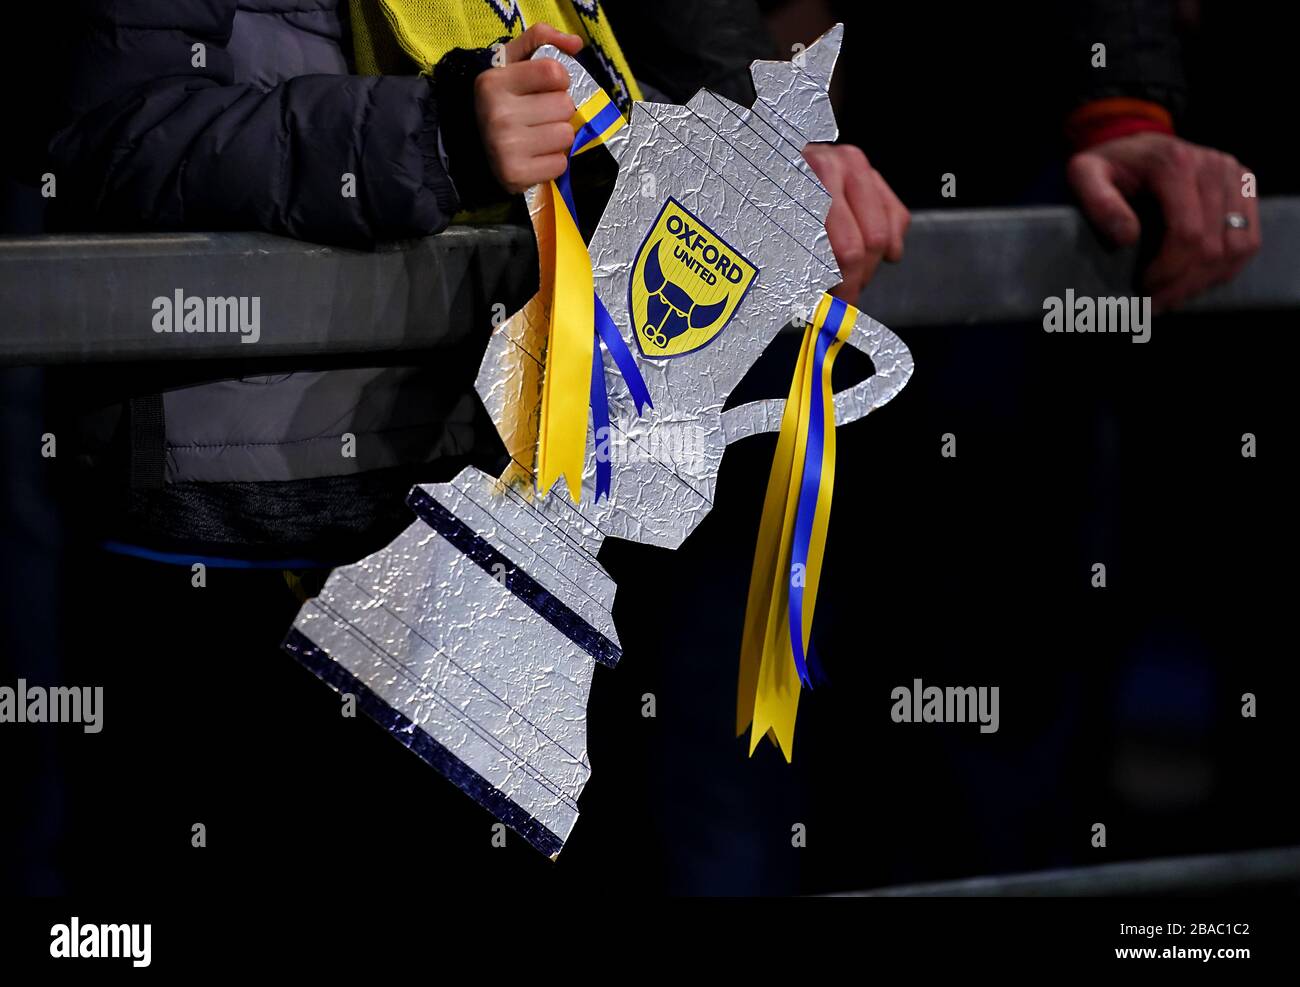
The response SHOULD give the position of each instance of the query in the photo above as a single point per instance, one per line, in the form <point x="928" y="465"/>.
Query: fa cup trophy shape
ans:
<point x="472" y="637"/>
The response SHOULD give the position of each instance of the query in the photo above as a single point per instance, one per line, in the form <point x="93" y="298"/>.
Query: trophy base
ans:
<point x="472" y="639"/>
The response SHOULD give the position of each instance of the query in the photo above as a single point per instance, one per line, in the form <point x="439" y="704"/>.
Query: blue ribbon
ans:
<point x="605" y="329"/>
<point x="593" y="128"/>
<point x="809" y="488"/>
<point x="600" y="420"/>
<point x="587" y="133"/>
<point x="623" y="358"/>
<point x="636" y="386"/>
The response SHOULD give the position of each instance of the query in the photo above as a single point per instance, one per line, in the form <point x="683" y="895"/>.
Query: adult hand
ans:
<point x="866" y="222"/>
<point x="1199" y="191"/>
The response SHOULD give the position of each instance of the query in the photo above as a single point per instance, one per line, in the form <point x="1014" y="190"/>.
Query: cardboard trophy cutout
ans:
<point x="472" y="638"/>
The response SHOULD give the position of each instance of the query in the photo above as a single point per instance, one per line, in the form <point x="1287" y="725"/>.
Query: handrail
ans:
<point x="1197" y="875"/>
<point x="88" y="298"/>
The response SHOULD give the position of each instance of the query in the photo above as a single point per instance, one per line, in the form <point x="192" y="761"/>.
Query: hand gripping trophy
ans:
<point x="471" y="638"/>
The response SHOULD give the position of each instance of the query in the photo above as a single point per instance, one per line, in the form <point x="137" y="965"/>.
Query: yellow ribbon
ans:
<point x="566" y="379"/>
<point x="767" y="695"/>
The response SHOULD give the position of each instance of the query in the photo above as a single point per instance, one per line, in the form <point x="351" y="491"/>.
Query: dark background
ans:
<point x="1118" y="706"/>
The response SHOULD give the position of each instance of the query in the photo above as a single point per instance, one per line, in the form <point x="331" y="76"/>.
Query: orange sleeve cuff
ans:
<point x="1105" y="119"/>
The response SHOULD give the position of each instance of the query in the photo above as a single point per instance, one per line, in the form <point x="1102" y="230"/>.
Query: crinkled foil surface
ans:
<point x="481" y="624"/>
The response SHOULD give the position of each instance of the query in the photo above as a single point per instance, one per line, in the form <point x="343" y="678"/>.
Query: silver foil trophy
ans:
<point x="472" y="638"/>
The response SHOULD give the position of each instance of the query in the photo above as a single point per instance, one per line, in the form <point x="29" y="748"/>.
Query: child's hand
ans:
<point x="524" y="109"/>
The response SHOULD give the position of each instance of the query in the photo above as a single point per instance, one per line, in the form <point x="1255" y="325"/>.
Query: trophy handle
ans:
<point x="581" y="88"/>
<point x="893" y="368"/>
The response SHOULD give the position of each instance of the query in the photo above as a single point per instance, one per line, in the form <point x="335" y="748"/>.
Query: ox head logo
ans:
<point x="687" y="283"/>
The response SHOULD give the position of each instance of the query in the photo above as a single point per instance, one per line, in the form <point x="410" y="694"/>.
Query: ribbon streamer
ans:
<point x="573" y="378"/>
<point x="774" y="653"/>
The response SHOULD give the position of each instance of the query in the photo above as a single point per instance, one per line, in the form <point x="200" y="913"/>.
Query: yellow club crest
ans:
<point x="687" y="283"/>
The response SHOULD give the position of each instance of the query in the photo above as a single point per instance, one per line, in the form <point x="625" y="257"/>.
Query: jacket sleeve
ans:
<point x="157" y="135"/>
<point x="1144" y="58"/>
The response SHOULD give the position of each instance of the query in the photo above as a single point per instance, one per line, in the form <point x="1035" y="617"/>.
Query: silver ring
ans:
<point x="1237" y="221"/>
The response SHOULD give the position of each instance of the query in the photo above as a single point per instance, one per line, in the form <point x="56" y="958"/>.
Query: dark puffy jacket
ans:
<point x="241" y="114"/>
<point x="1144" y="57"/>
<point x="217" y="114"/>
<point x="257" y="134"/>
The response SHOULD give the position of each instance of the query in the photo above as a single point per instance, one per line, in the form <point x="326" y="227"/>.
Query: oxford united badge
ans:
<point x="687" y="283"/>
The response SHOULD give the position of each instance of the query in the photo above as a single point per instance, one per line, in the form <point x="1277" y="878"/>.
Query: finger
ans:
<point x="1252" y="217"/>
<point x="868" y="211"/>
<point x="822" y="161"/>
<point x="521" y="48"/>
<point x="1092" y="180"/>
<point x="1170" y="292"/>
<point x="1241" y="245"/>
<point x="1173" y="182"/>
<point x="1210" y="251"/>
<point x="841" y="226"/>
<point x="523" y="173"/>
<point x="846" y="243"/>
<point x="547" y="167"/>
<point x="550" y="138"/>
<point x="1206" y="265"/>
<point x="538" y="109"/>
<point x="899" y="219"/>
<point x="541" y="75"/>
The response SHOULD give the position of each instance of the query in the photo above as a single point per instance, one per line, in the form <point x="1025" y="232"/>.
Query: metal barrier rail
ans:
<point x="1275" y="870"/>
<point x="88" y="298"/>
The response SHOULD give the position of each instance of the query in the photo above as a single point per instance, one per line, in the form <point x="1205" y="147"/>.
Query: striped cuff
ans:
<point x="1105" y="119"/>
